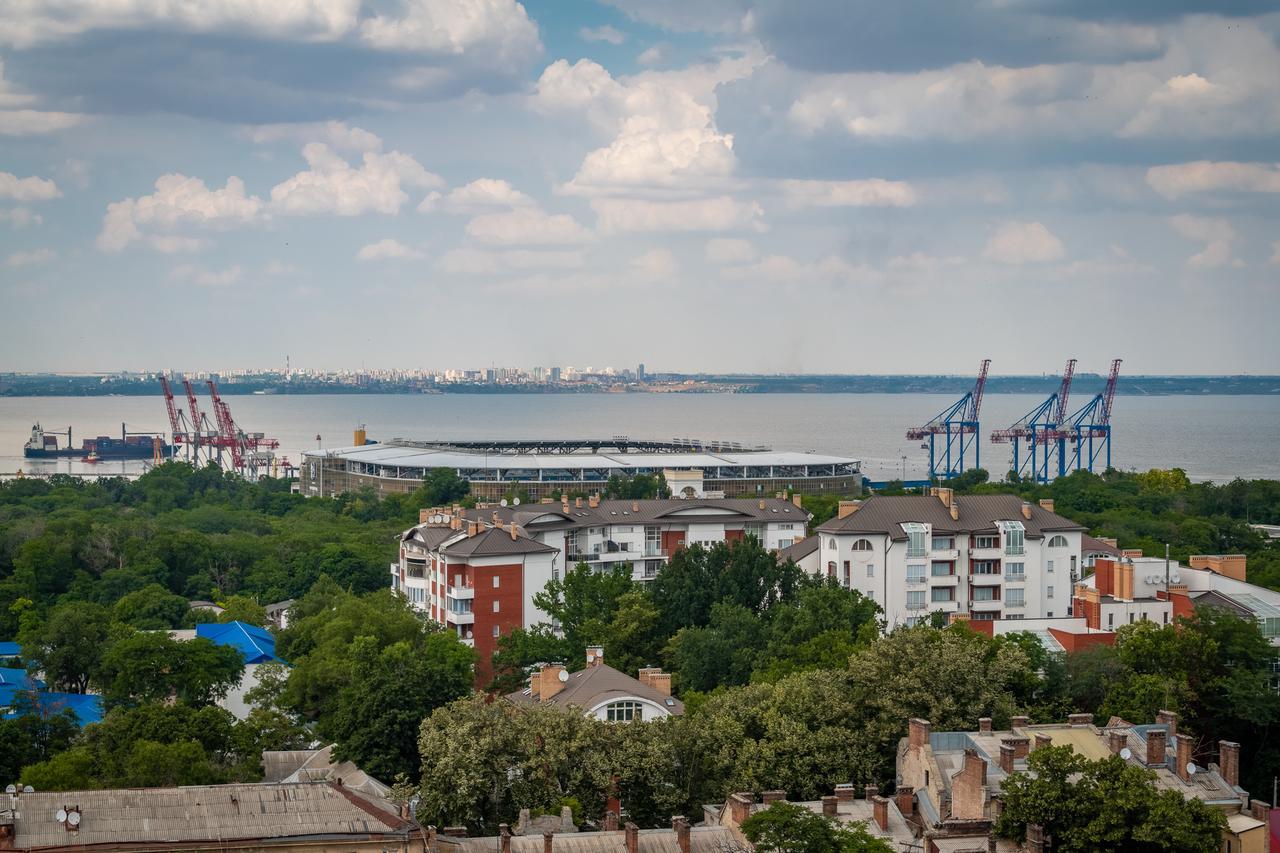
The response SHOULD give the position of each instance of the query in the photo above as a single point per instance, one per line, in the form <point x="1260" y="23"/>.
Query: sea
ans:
<point x="1216" y="438"/>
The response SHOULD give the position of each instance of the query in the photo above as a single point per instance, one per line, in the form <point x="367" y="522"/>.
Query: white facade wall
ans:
<point x="649" y="710"/>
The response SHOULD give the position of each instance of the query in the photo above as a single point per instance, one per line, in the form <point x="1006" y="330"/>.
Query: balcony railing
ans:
<point x="945" y="553"/>
<point x="1016" y="577"/>
<point x="462" y="593"/>
<point x="916" y="579"/>
<point x="1018" y="603"/>
<point x="916" y="605"/>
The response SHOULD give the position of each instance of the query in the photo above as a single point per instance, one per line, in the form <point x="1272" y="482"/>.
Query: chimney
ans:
<point x="984" y="725"/>
<point x="433" y="841"/>
<point x="593" y="501"/>
<point x="1183" y="744"/>
<point x="947" y="496"/>
<point x="595" y="655"/>
<point x="1116" y="741"/>
<point x="473" y="527"/>
<point x="955" y="512"/>
<point x="761" y="505"/>
<point x="844" y="792"/>
<point x="635" y="506"/>
<point x="1156" y="747"/>
<point x="918" y="733"/>
<point x="504" y="834"/>
<point x="496" y="522"/>
<point x="513" y="531"/>
<point x="1046" y="504"/>
<point x="830" y="806"/>
<point x="771" y="797"/>
<point x="1021" y="745"/>
<point x="633" y="837"/>
<point x="550" y="681"/>
<point x="548" y="842"/>
<point x="905" y="799"/>
<point x="1229" y="762"/>
<point x="870" y="791"/>
<point x="1168" y="719"/>
<point x="577" y="503"/>
<point x="1261" y="810"/>
<point x="1006" y="757"/>
<point x="1019" y="722"/>
<point x="880" y="810"/>
<point x="795" y="499"/>
<point x="1080" y="719"/>
<point x="847" y="508"/>
<point x="681" y="826"/>
<point x="740" y="807"/>
<point x="455" y="832"/>
<point x="1042" y="740"/>
<point x="1026" y="510"/>
<point x="1035" y="838"/>
<point x="455" y="522"/>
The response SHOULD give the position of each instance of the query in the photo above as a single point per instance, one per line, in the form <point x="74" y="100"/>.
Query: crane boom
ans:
<point x="1064" y="393"/>
<point x="174" y="426"/>
<point x="1109" y="394"/>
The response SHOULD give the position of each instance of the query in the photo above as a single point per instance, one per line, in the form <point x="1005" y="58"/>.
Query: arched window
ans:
<point x="1058" y="542"/>
<point x="831" y="543"/>
<point x="622" y="712"/>
<point x="862" y="545"/>
<point x="831" y="569"/>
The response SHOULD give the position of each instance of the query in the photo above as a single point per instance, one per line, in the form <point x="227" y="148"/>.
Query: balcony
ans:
<point x="1018" y="605"/>
<point x="945" y="580"/>
<point x="1015" y="577"/>
<point x="945" y="554"/>
<point x="994" y="604"/>
<point x="917" y="605"/>
<point x="462" y="593"/>
<point x="945" y="606"/>
<point x="916" y="580"/>
<point x="655" y="551"/>
<point x="994" y="553"/>
<point x="466" y="618"/>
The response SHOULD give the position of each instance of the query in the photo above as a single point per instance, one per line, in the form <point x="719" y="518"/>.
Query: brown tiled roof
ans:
<point x="588" y="687"/>
<point x="1089" y="543"/>
<point x="496" y="543"/>
<point x="702" y="839"/>
<point x="978" y="514"/>
<point x="800" y="549"/>
<point x="160" y="816"/>
<point x="641" y="512"/>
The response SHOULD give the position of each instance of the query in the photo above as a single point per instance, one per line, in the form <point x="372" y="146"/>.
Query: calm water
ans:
<point x="1213" y="438"/>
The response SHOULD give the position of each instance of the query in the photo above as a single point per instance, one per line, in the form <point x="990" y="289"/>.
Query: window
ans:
<point x="862" y="545"/>
<point x="497" y="631"/>
<point x="457" y="580"/>
<point x="1014" y="537"/>
<point x="831" y="543"/>
<point x="941" y="570"/>
<point x="622" y="712"/>
<point x="1049" y="615"/>
<point x="786" y="526"/>
<point x="848" y="575"/>
<point x="986" y="541"/>
<point x="871" y="570"/>
<point x="1015" y="571"/>
<point x="497" y="581"/>
<point x="986" y="567"/>
<point x="1058" y="542"/>
<point x="915" y="599"/>
<point x="943" y="543"/>
<point x="1166" y="617"/>
<point x="943" y="593"/>
<point x="986" y="593"/>
<point x="915" y="573"/>
<point x="1015" y="597"/>
<point x="1048" y="592"/>
<point x="1049" y="565"/>
<point x="985" y="616"/>
<point x="1074" y="576"/>
<point x="917" y="545"/>
<point x="496" y="607"/>
<point x="831" y="569"/>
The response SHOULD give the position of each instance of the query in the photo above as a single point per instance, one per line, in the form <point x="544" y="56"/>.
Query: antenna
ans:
<point x="11" y="789"/>
<point x="502" y="502"/>
<point x="1192" y="769"/>
<point x="73" y="817"/>
<point x="564" y="675"/>
<point x="1126" y="753"/>
<point x="515" y="502"/>
<point x="27" y="789"/>
<point x="60" y="816"/>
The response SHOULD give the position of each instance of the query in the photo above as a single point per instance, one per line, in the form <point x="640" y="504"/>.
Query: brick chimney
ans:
<point x="549" y="681"/>
<point x="633" y="837"/>
<point x="1006" y="757"/>
<point x="1042" y="740"/>
<point x="577" y="503"/>
<point x="654" y="677"/>
<point x="1035" y="838"/>
<point x="905" y="799"/>
<point x="504" y="836"/>
<point x="1046" y="504"/>
<point x="880" y="811"/>
<point x="1156" y="743"/>
<point x="1021" y="745"/>
<point x="844" y="792"/>
<point x="1229" y="761"/>
<point x="847" y="508"/>
<point x="1019" y="722"/>
<point x="635" y="506"/>
<point x="984" y="725"/>
<point x="955" y="511"/>
<point x="1116" y="741"/>
<point x="918" y="733"/>
<point x="740" y="807"/>
<point x="548" y="842"/>
<point x="1183" y="744"/>
<point x="610" y="821"/>
<point x="771" y="797"/>
<point x="681" y="826"/>
<point x="830" y="806"/>
<point x="1026" y="510"/>
<point x="1169" y="719"/>
<point x="1080" y="719"/>
<point x="870" y="792"/>
<point x="593" y="501"/>
<point x="1261" y="810"/>
<point x="795" y="499"/>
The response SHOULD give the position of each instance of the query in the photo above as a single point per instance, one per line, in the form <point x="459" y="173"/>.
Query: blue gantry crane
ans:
<point x="958" y="425"/>
<point x="1041" y="430"/>
<point x="1088" y="434"/>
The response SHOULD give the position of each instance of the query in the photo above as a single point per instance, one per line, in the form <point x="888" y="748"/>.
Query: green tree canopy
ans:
<point x="148" y="666"/>
<point x="790" y="828"/>
<point x="68" y="646"/>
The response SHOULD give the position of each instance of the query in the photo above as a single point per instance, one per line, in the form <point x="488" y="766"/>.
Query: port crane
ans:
<point x="249" y="454"/>
<point x="1088" y="433"/>
<point x="249" y="451"/>
<point x="1041" y="430"/>
<point x="958" y="425"/>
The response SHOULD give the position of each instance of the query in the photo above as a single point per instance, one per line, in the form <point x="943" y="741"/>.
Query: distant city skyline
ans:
<point x="810" y="186"/>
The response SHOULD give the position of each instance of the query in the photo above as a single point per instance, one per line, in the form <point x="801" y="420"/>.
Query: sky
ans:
<point x="823" y="186"/>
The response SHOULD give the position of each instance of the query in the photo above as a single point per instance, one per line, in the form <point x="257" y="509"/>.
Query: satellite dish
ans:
<point x="1126" y="753"/>
<point x="515" y="502"/>
<point x="11" y="789"/>
<point x="73" y="818"/>
<point x="564" y="675"/>
<point x="1192" y="769"/>
<point x="502" y="502"/>
<point x="27" y="789"/>
<point x="60" y="816"/>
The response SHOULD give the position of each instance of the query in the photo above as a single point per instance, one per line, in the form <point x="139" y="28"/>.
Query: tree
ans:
<point x="441" y="487"/>
<point x="152" y="608"/>
<point x="241" y="608"/>
<point x="790" y="828"/>
<point x="68" y="645"/>
<point x="150" y="666"/>
<point x="583" y="604"/>
<point x="1104" y="805"/>
<point x="32" y="738"/>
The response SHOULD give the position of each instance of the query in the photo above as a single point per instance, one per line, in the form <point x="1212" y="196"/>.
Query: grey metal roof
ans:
<point x="655" y="511"/>
<point x="157" y="816"/>
<point x="801" y="549"/>
<point x="978" y="514"/>
<point x="588" y="687"/>
<point x="496" y="543"/>
<point x="1089" y="543"/>
<point x="702" y="839"/>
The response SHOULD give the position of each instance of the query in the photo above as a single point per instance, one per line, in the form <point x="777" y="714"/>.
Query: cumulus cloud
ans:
<point x="30" y="258"/>
<point x="27" y="189"/>
<point x="173" y="243"/>
<point x="652" y="55"/>
<point x="336" y="134"/>
<point x="20" y="217"/>
<point x="332" y="185"/>
<point x="527" y="227"/>
<point x="18" y="115"/>
<point x="484" y="194"/>
<point x="1023" y="243"/>
<point x="872" y="192"/>
<point x="602" y="33"/>
<point x="721" y="213"/>
<point x="501" y="28"/>
<point x="387" y="250"/>
<point x="656" y="263"/>
<point x="1215" y="232"/>
<point x="730" y="250"/>
<point x="480" y="262"/>
<point x="1204" y="176"/>
<point x="178" y="201"/>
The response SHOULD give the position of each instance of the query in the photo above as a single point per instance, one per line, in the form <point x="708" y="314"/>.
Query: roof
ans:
<point x="1092" y="544"/>
<point x="256" y="645"/>
<point x="702" y="839"/>
<point x="655" y="511"/>
<point x="158" y="816"/>
<point x="493" y="542"/>
<point x="317" y="765"/>
<point x="87" y="707"/>
<point x="10" y="650"/>
<point x="800" y="550"/>
<point x="19" y="678"/>
<point x="886" y="514"/>
<point x="587" y="688"/>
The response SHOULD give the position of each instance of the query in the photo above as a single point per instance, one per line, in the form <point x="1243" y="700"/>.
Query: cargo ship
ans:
<point x="45" y="445"/>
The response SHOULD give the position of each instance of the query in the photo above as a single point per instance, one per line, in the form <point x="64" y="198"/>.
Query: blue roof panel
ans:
<point x="86" y="707"/>
<point x="255" y="644"/>
<point x="10" y="650"/>
<point x="19" y="678"/>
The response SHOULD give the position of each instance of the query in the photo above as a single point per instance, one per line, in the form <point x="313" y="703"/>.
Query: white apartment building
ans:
<point x="981" y="557"/>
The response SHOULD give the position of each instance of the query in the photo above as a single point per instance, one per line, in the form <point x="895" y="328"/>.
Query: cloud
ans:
<point x="785" y="269"/>
<point x="20" y="217"/>
<point x="527" y="227"/>
<point x="720" y="213"/>
<point x="469" y="261"/>
<point x="178" y="201"/>
<point x="722" y="17"/>
<point x="30" y="258"/>
<point x="501" y="29"/>
<point x="872" y="192"/>
<point x="18" y="117"/>
<point x="1023" y="243"/>
<point x="484" y="194"/>
<point x="656" y="263"/>
<point x="208" y="278"/>
<point x="652" y="55"/>
<point x="386" y="250"/>
<point x="336" y="134"/>
<point x="603" y="33"/>
<point x="730" y="250"/>
<point x="1216" y="233"/>
<point x="27" y="189"/>
<point x="174" y="243"/>
<point x="332" y="185"/>
<point x="921" y="262"/>
<point x="1204" y="176"/>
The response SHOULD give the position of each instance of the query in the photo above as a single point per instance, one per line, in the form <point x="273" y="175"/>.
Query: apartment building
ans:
<point x="980" y="557"/>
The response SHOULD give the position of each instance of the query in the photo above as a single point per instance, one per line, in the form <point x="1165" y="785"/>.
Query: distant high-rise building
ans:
<point x="555" y="374"/>
<point x="640" y="372"/>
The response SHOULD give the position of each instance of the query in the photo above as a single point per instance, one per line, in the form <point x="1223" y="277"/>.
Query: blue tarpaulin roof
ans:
<point x="86" y="707"/>
<point x="18" y="678"/>
<point x="256" y="644"/>
<point x="10" y="650"/>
